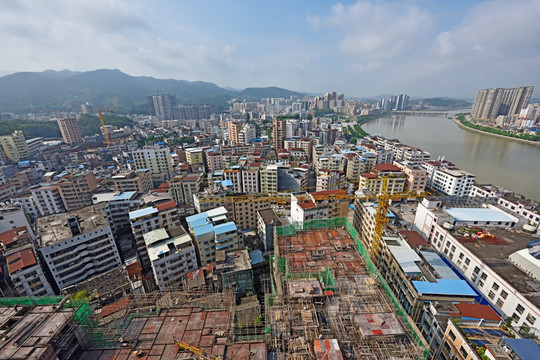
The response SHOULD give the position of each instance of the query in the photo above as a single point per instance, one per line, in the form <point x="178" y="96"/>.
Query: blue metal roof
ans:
<point x="256" y="257"/>
<point x="205" y="229"/>
<point x="126" y="195"/>
<point x="223" y="228"/>
<point x="142" y="212"/>
<point x="197" y="220"/>
<point x="439" y="265"/>
<point x="444" y="287"/>
<point x="524" y="348"/>
<point x="226" y="183"/>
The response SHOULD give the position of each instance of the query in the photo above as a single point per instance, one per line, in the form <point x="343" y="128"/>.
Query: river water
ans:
<point x="512" y="165"/>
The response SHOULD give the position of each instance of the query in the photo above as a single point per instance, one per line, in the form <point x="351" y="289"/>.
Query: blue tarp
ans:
<point x="223" y="228"/>
<point x="524" y="348"/>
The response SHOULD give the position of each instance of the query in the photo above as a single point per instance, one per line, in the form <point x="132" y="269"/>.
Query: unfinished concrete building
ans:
<point x="329" y="301"/>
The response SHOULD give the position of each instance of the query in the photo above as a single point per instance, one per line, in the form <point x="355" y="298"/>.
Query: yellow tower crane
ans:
<point x="383" y="204"/>
<point x="195" y="350"/>
<point x="103" y="126"/>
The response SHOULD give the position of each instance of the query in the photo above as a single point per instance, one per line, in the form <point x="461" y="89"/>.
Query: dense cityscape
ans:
<point x="271" y="229"/>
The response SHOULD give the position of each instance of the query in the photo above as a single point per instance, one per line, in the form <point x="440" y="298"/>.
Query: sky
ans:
<point x="359" y="48"/>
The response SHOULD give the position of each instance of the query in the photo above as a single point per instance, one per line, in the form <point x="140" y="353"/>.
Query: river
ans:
<point x="512" y="165"/>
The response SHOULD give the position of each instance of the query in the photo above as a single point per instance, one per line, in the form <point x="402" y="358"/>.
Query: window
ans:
<point x="504" y="294"/>
<point x="483" y="276"/>
<point x="531" y="319"/>
<point x="461" y="256"/>
<point x="495" y="286"/>
<point x="520" y="309"/>
<point x="491" y="295"/>
<point x="481" y="283"/>
<point x="467" y="261"/>
<point x="452" y="335"/>
<point x="500" y="303"/>
<point x="476" y="270"/>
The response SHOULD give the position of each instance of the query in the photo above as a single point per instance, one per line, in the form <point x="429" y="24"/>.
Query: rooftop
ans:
<point x="444" y="287"/>
<point x="495" y="249"/>
<point x="20" y="260"/>
<point x="479" y="214"/>
<point x="54" y="228"/>
<point x="269" y="216"/>
<point x="113" y="196"/>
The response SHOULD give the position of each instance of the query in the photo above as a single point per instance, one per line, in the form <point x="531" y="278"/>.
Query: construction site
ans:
<point x="324" y="300"/>
<point x="328" y="301"/>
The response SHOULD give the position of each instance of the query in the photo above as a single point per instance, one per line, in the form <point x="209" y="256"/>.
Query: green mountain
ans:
<point x="255" y="94"/>
<point x="66" y="90"/>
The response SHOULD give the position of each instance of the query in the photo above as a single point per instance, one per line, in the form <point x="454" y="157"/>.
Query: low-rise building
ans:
<point x="373" y="181"/>
<point x="233" y="270"/>
<point x="416" y="176"/>
<point x="47" y="199"/>
<point x="163" y="215"/>
<point x="172" y="256"/>
<point x="319" y="205"/>
<point x="26" y="274"/>
<point x="485" y="248"/>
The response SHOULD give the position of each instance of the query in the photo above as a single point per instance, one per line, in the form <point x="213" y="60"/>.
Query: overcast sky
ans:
<point x="361" y="48"/>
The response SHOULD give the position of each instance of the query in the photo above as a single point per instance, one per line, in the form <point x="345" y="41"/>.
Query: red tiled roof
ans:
<point x="164" y="185"/>
<point x="307" y="205"/>
<point x="20" y="260"/>
<point x="297" y="149"/>
<point x="134" y="271"/>
<point x="476" y="311"/>
<point x="369" y="175"/>
<point x="329" y="192"/>
<point x="166" y="205"/>
<point x="7" y="237"/>
<point x="387" y="167"/>
<point x="114" y="307"/>
<point x="413" y="238"/>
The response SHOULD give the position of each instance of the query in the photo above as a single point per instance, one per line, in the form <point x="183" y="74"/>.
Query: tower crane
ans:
<point x="383" y="204"/>
<point x="202" y="354"/>
<point x="103" y="126"/>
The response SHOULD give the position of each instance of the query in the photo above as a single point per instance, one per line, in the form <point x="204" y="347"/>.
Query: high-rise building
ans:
<point x="71" y="132"/>
<point x="278" y="133"/>
<point x="234" y="128"/>
<point x="163" y="105"/>
<point x="490" y="103"/>
<point x="14" y="146"/>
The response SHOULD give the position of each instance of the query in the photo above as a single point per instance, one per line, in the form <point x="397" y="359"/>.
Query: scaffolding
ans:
<point x="356" y="306"/>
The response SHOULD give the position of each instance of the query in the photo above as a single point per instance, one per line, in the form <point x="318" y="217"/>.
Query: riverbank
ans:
<point x="465" y="127"/>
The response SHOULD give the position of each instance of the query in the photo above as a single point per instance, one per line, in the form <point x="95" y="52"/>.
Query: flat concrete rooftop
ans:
<point x="494" y="251"/>
<point x="54" y="228"/>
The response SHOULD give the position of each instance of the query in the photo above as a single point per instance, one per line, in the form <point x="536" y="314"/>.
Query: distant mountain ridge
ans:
<point x="66" y="90"/>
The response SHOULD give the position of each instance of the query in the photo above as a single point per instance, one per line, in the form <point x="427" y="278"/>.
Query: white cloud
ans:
<point x="378" y="30"/>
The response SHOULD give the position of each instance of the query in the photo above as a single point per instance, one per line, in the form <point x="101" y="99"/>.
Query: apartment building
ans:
<point x="163" y="215"/>
<point x="319" y="205"/>
<point x="269" y="178"/>
<point x="15" y="146"/>
<point x="116" y="208"/>
<point x="138" y="180"/>
<point x="172" y="255"/>
<point x="212" y="231"/>
<point x="71" y="132"/>
<point x="416" y="176"/>
<point x="250" y="178"/>
<point x="183" y="187"/>
<point x="77" y="245"/>
<point x="76" y="190"/>
<point x="453" y="182"/>
<point x="373" y="181"/>
<point x="234" y="175"/>
<point x="267" y="220"/>
<point x="195" y="156"/>
<point x="157" y="159"/>
<point x="26" y="274"/>
<point x="47" y="199"/>
<point x="7" y="192"/>
<point x="329" y="179"/>
<point x="358" y="164"/>
<point x="490" y="103"/>
<point x="12" y="216"/>
<point x="432" y="165"/>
